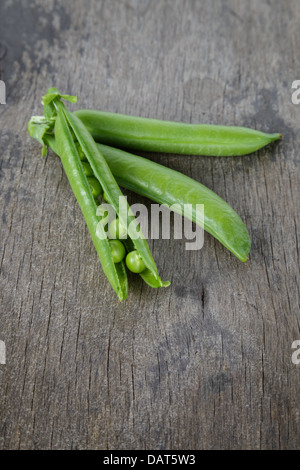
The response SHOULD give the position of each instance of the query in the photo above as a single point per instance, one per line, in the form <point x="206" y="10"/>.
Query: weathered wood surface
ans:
<point x="206" y="363"/>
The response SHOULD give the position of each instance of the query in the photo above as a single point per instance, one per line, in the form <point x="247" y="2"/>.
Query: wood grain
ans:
<point x="206" y="363"/>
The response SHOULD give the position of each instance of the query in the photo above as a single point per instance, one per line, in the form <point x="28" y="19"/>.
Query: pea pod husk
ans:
<point x="154" y="135"/>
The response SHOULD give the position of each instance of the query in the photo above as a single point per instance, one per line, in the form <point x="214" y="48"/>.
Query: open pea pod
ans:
<point x="104" y="175"/>
<point x="68" y="153"/>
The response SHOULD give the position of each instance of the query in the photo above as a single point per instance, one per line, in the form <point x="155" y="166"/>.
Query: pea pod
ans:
<point x="137" y="133"/>
<point x="104" y="175"/>
<point x="115" y="273"/>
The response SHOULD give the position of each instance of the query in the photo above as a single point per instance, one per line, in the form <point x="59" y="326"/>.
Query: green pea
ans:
<point x="117" y="230"/>
<point x="87" y="169"/>
<point x="134" y="262"/>
<point x="117" y="250"/>
<point x="80" y="152"/>
<point x="154" y="135"/>
<point x="95" y="186"/>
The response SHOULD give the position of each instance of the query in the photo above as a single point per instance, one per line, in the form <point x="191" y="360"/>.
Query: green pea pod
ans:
<point x="137" y="133"/>
<point x="171" y="188"/>
<point x="67" y="151"/>
<point x="104" y="175"/>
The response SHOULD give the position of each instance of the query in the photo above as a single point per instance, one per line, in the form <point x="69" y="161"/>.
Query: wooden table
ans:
<point x="206" y="363"/>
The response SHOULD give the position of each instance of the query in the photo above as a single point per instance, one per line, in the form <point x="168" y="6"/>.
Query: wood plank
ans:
<point x="206" y="363"/>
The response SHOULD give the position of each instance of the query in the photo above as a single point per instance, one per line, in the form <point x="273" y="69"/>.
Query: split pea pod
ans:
<point x="138" y="133"/>
<point x="115" y="273"/>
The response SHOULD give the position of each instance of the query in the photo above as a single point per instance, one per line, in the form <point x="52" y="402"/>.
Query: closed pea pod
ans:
<point x="154" y="135"/>
<point x="95" y="186"/>
<point x="118" y="250"/>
